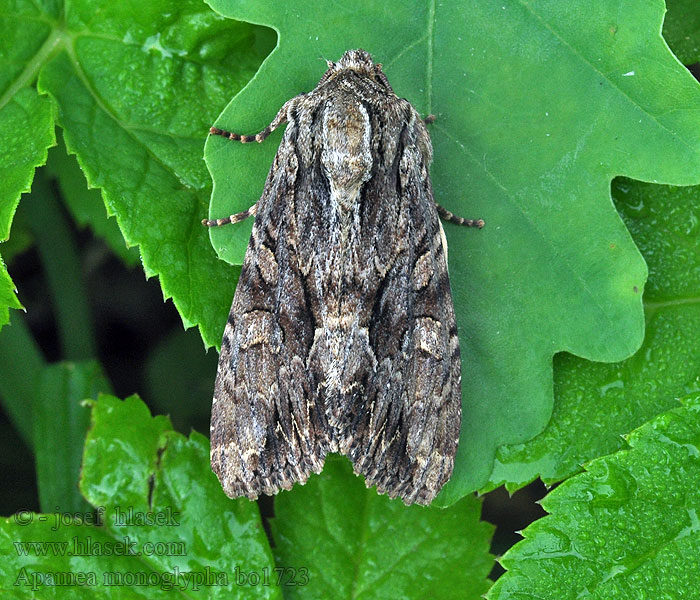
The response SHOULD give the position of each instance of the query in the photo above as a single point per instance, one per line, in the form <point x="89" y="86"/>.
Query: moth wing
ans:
<point x="405" y="439"/>
<point x="265" y="431"/>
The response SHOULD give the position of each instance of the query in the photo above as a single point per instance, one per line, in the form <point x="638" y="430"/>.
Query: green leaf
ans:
<point x="596" y="403"/>
<point x="60" y="424"/>
<point x="86" y="204"/>
<point x="538" y="106"/>
<point x="26" y="128"/>
<point x="26" y="121"/>
<point x="135" y="91"/>
<point x="137" y="471"/>
<point x="626" y="528"/>
<point x="336" y="539"/>
<point x="8" y="298"/>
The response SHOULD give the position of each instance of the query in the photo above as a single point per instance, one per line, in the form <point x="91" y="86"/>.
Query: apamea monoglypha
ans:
<point x="342" y="334"/>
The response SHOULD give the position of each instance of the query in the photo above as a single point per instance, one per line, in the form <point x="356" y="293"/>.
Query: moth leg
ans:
<point x="280" y="119"/>
<point x="429" y="119"/>
<point x="452" y="218"/>
<point x="237" y="218"/>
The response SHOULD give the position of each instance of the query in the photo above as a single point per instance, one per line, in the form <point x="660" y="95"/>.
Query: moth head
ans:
<point x="360" y="62"/>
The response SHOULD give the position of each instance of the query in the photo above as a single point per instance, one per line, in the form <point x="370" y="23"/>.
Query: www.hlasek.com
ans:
<point x="87" y="546"/>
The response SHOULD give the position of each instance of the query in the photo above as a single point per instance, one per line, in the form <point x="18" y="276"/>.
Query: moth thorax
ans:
<point x="346" y="155"/>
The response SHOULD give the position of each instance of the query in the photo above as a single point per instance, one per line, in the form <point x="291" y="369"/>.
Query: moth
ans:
<point x="342" y="334"/>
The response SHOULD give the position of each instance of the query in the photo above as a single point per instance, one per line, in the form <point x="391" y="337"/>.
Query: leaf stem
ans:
<point x="21" y="365"/>
<point x="61" y="263"/>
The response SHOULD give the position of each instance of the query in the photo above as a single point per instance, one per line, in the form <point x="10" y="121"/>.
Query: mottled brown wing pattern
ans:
<point x="403" y="423"/>
<point x="265" y="430"/>
<point x="342" y="334"/>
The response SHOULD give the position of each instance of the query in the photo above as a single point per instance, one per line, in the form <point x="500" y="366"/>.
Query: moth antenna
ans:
<point x="384" y="81"/>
